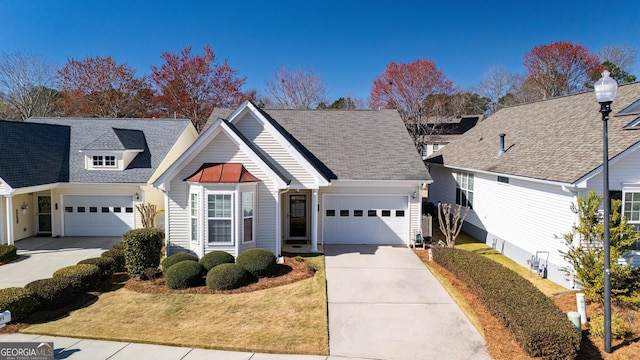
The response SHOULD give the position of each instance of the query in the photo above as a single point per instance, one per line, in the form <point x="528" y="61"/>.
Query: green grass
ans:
<point x="286" y="319"/>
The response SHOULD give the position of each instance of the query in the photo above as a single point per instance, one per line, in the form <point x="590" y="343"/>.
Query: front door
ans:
<point x="297" y="227"/>
<point x="44" y="214"/>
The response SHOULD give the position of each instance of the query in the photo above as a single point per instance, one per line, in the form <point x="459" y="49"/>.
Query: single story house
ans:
<point x="522" y="168"/>
<point x="83" y="177"/>
<point x="268" y="178"/>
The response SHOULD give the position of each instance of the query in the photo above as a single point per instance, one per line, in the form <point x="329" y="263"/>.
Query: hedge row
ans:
<point x="66" y="284"/>
<point x="540" y="327"/>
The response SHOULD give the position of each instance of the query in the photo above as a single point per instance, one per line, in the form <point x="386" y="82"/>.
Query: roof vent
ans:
<point x="501" y="151"/>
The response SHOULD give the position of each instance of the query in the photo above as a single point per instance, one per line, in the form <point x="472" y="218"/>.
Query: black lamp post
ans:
<point x="605" y="90"/>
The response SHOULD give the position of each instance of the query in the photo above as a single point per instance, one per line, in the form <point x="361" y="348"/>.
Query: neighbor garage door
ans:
<point x="365" y="219"/>
<point x="97" y="215"/>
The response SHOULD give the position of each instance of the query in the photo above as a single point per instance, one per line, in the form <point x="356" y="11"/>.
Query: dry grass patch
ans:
<point x="284" y="319"/>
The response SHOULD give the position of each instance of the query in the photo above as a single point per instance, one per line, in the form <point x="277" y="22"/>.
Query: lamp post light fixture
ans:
<point x="605" y="90"/>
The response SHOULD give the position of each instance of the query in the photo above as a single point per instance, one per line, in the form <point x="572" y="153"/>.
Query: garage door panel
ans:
<point x="98" y="215"/>
<point x="384" y="219"/>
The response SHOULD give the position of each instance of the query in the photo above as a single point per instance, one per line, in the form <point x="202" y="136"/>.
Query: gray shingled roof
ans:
<point x="154" y="137"/>
<point x="350" y="144"/>
<point x="33" y="154"/>
<point x="558" y="139"/>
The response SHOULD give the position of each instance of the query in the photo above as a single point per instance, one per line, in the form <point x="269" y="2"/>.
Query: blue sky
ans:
<point x="348" y="43"/>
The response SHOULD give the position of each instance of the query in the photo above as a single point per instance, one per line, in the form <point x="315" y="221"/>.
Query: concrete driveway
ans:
<point x="41" y="256"/>
<point x="385" y="304"/>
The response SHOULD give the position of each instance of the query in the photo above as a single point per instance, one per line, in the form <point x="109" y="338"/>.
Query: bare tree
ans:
<point x="296" y="89"/>
<point x="451" y="223"/>
<point x="147" y="214"/>
<point x="496" y="83"/>
<point x="26" y="80"/>
<point x="623" y="56"/>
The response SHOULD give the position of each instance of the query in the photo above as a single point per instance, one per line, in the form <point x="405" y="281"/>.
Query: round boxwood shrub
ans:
<point x="142" y="249"/>
<point x="176" y="258"/>
<point x="106" y="265"/>
<point x="184" y="274"/>
<point x="20" y="301"/>
<point x="52" y="293"/>
<point x="259" y="262"/>
<point x="227" y="277"/>
<point x="118" y="257"/>
<point x="85" y="277"/>
<point x="215" y="258"/>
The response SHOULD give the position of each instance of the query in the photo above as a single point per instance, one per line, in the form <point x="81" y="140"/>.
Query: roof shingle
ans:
<point x="557" y="140"/>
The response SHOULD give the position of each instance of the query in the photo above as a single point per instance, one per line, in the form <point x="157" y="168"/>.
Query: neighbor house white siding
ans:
<point x="517" y="219"/>
<point x="278" y="154"/>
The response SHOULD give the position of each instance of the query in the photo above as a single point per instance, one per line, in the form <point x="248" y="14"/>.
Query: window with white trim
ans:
<point x="631" y="210"/>
<point x="464" y="189"/>
<point x="104" y="161"/>
<point x="247" y="216"/>
<point x="219" y="218"/>
<point x="193" y="212"/>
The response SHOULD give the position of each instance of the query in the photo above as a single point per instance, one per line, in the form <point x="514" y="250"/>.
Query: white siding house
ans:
<point x="521" y="194"/>
<point x="307" y="178"/>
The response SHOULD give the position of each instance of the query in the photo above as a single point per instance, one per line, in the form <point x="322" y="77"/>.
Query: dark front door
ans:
<point x="44" y="214"/>
<point x="297" y="216"/>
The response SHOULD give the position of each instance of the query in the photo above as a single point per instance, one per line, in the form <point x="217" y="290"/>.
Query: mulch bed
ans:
<point x="288" y="272"/>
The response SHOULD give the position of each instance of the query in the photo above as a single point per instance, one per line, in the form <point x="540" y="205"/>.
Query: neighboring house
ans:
<point x="445" y="131"/>
<point x="266" y="178"/>
<point x="83" y="177"/>
<point x="521" y="194"/>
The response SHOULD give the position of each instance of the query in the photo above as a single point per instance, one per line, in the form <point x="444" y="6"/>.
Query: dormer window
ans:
<point x="104" y="161"/>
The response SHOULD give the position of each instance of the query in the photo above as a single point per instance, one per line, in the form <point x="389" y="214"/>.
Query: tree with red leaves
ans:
<point x="561" y="68"/>
<point x="417" y="90"/>
<point x="190" y="86"/>
<point x="98" y="87"/>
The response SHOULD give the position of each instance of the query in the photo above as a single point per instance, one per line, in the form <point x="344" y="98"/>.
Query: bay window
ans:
<point x="193" y="212"/>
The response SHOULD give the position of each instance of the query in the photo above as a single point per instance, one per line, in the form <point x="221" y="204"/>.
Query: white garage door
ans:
<point x="365" y="219"/>
<point x="97" y="215"/>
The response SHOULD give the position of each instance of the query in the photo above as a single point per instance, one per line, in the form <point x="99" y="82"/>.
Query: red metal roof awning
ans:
<point x="222" y="173"/>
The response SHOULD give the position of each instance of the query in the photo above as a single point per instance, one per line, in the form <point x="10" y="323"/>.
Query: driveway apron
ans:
<point x="385" y="304"/>
<point x="40" y="257"/>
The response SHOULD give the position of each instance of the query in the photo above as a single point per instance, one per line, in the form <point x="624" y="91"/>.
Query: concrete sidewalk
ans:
<point x="385" y="304"/>
<point x="81" y="349"/>
<point x="41" y="256"/>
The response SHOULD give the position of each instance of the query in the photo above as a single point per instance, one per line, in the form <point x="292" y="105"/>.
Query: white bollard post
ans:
<point x="430" y="255"/>
<point x="582" y="307"/>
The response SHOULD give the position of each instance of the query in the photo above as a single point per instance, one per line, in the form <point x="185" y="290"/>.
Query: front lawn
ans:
<point x="286" y="319"/>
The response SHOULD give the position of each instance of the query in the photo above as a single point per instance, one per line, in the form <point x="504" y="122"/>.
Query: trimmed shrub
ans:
<point x="215" y="258"/>
<point x="20" y="301"/>
<point x="106" y="265"/>
<point x="142" y="249"/>
<point x="84" y="277"/>
<point x="184" y="274"/>
<point x="539" y="326"/>
<point x="52" y="293"/>
<point x="176" y="258"/>
<point x="227" y="277"/>
<point x="259" y="262"/>
<point x="118" y="257"/>
<point x="8" y="252"/>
